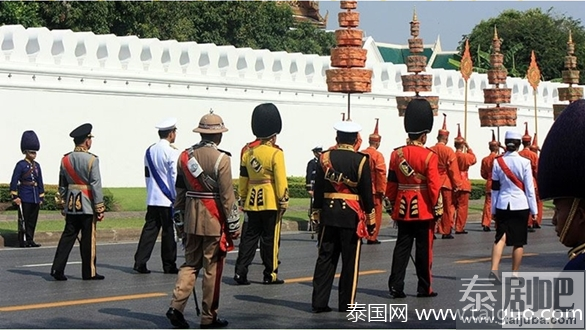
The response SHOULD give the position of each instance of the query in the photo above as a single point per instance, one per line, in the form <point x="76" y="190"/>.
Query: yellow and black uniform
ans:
<point x="264" y="196"/>
<point x="342" y="199"/>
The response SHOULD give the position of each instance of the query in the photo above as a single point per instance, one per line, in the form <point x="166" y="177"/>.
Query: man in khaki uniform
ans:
<point x="206" y="204"/>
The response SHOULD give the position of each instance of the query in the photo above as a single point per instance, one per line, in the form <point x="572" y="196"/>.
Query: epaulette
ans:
<point x="363" y="154"/>
<point x="226" y="152"/>
<point x="397" y="148"/>
<point x="67" y="153"/>
<point x="431" y="150"/>
<point x="92" y="154"/>
<point x="172" y="146"/>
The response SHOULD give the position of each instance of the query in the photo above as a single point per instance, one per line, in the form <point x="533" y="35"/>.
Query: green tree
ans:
<point x="254" y="24"/>
<point x="521" y="32"/>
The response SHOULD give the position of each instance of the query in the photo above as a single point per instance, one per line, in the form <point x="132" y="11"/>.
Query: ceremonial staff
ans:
<point x="466" y="71"/>
<point x="534" y="77"/>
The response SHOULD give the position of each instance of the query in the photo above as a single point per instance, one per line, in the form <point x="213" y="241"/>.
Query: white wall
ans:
<point x="53" y="81"/>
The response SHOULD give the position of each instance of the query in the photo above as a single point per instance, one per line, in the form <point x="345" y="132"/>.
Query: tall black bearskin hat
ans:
<point x="418" y="117"/>
<point x="29" y="141"/>
<point x="266" y="121"/>
<point x="561" y="164"/>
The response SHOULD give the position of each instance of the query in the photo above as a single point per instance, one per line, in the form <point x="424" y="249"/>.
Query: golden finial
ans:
<point x="414" y="14"/>
<point x="570" y="38"/>
<point x="496" y="36"/>
<point x="211" y="111"/>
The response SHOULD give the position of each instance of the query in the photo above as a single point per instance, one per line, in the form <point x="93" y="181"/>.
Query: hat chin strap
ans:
<point x="569" y="218"/>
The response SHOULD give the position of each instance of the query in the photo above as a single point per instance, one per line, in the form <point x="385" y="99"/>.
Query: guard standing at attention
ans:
<point x="344" y="208"/>
<point x="486" y="173"/>
<point x="27" y="190"/>
<point x="206" y="205"/>
<point x="413" y="188"/>
<point x="264" y="196"/>
<point x="311" y="169"/>
<point x="450" y="178"/>
<point x="532" y="156"/>
<point x="160" y="170"/>
<point x="561" y="178"/>
<point x="81" y="200"/>
<point x="378" y="171"/>
<point x="465" y="158"/>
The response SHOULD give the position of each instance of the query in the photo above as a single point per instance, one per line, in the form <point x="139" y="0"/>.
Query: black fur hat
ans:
<point x="266" y="121"/>
<point x="561" y="163"/>
<point x="418" y="116"/>
<point x="29" y="141"/>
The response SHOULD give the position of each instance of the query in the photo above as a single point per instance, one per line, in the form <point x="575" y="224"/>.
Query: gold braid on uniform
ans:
<point x="80" y="149"/>
<point x="284" y="201"/>
<point x="372" y="217"/>
<point x="578" y="250"/>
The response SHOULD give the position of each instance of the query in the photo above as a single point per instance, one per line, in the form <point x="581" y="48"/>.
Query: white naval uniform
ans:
<point x="509" y="195"/>
<point x="164" y="158"/>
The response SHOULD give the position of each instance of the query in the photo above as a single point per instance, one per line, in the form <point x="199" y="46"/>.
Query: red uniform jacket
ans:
<point x="486" y="170"/>
<point x="447" y="166"/>
<point x="465" y="160"/>
<point x="378" y="170"/>
<point x="414" y="183"/>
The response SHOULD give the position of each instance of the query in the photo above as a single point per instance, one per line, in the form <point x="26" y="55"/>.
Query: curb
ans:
<point x="133" y="234"/>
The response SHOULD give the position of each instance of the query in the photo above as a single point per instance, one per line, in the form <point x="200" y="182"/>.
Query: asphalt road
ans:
<point x="30" y="298"/>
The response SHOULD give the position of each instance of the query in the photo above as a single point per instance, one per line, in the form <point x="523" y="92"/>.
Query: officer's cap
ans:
<point x="512" y="135"/>
<point x="347" y="127"/>
<point x="83" y="131"/>
<point x="418" y="117"/>
<point x="266" y="121"/>
<point x="211" y="124"/>
<point x="561" y="164"/>
<point x="167" y="124"/>
<point x="29" y="141"/>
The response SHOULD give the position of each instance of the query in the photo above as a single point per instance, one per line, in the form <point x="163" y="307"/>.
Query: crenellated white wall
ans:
<point x="52" y="81"/>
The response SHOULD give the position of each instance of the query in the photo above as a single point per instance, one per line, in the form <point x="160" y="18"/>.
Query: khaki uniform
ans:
<point x="206" y="210"/>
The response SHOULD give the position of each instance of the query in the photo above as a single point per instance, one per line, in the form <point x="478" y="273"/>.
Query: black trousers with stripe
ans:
<point x="30" y="213"/>
<point x="74" y="224"/>
<point x="261" y="225"/>
<point x="157" y="218"/>
<point x="422" y="232"/>
<point x="336" y="241"/>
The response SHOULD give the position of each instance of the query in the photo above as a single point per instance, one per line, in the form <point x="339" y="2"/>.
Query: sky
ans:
<point x="388" y="21"/>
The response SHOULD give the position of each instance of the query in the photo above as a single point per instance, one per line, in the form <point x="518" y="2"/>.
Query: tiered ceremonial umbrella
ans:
<point x="497" y="116"/>
<point x="349" y="58"/>
<point x="416" y="64"/>
<point x="569" y="76"/>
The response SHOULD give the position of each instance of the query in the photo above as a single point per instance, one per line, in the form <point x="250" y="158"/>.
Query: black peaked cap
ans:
<point x="81" y="131"/>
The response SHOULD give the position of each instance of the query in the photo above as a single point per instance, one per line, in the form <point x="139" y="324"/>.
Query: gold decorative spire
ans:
<point x="495" y="36"/>
<point x="414" y="14"/>
<point x="570" y="38"/>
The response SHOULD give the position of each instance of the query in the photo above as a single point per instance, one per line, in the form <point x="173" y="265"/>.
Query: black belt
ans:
<point x="202" y="194"/>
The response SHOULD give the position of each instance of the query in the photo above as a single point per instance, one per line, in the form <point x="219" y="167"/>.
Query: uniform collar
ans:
<point x="80" y="149"/>
<point x="342" y="146"/>
<point x="573" y="253"/>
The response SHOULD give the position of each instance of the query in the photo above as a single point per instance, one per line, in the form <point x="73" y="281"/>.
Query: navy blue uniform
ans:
<point x="27" y="184"/>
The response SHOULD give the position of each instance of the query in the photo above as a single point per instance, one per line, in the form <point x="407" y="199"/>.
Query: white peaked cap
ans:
<point x="347" y="127"/>
<point x="512" y="135"/>
<point x="166" y="124"/>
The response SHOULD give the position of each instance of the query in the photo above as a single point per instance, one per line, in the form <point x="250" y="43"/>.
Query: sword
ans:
<point x="197" y="311"/>
<point x="21" y="222"/>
